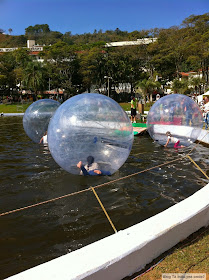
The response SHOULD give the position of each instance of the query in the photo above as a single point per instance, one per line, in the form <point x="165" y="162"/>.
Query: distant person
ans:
<point x="206" y="112"/>
<point x="44" y="139"/>
<point x="133" y="109"/>
<point x="91" y="168"/>
<point x="175" y="141"/>
<point x="187" y="112"/>
<point x="157" y="97"/>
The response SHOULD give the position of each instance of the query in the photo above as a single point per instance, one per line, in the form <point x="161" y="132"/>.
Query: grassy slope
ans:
<point x="189" y="256"/>
<point x="127" y="106"/>
<point x="13" y="108"/>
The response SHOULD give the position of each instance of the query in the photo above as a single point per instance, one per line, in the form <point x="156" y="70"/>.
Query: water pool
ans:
<point x="29" y="175"/>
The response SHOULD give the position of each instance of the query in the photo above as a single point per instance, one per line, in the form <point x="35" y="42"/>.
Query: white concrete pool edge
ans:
<point x="129" y="250"/>
<point x="204" y="136"/>
<point x="11" y="114"/>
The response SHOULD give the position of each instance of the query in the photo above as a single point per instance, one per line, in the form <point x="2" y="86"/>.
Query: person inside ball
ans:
<point x="175" y="141"/>
<point x="91" y="168"/>
<point x="44" y="139"/>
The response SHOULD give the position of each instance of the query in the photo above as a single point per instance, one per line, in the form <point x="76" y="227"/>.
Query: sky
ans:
<point x="84" y="16"/>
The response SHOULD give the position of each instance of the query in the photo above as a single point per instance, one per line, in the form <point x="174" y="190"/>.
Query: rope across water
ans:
<point x="108" y="183"/>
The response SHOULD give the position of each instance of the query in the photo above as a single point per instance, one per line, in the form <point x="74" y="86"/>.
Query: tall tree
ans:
<point x="93" y="66"/>
<point x="196" y="83"/>
<point x="147" y="87"/>
<point x="179" y="86"/>
<point x="37" y="31"/>
<point x="62" y="63"/>
<point x="34" y="77"/>
<point x="197" y="45"/>
<point x="7" y="66"/>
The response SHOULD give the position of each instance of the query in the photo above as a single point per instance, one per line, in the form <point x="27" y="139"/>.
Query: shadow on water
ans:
<point x="29" y="175"/>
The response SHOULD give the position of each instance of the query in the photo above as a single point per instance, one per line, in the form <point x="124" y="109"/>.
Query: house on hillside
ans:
<point x="191" y="74"/>
<point x="194" y="80"/>
<point x="34" y="50"/>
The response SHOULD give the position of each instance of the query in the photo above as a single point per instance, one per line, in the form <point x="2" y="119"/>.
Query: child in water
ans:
<point x="44" y="139"/>
<point x="91" y="168"/>
<point x="173" y="140"/>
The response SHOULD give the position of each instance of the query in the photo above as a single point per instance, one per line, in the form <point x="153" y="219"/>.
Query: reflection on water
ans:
<point x="29" y="175"/>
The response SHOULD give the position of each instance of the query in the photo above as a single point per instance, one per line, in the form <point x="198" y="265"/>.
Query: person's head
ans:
<point x="90" y="160"/>
<point x="168" y="133"/>
<point x="133" y="98"/>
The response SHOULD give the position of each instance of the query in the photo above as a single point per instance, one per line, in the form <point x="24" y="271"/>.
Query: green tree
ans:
<point x="21" y="57"/>
<point x="37" y="32"/>
<point x="7" y="66"/>
<point x="92" y="67"/>
<point x="34" y="77"/>
<point x="37" y="29"/>
<point x="179" y="86"/>
<point x="62" y="65"/>
<point x="196" y="83"/>
<point x="147" y="87"/>
<point x="197" y="45"/>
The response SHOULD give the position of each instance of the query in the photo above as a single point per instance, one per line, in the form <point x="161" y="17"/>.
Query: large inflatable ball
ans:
<point x="37" y="116"/>
<point x="176" y="117"/>
<point x="90" y="126"/>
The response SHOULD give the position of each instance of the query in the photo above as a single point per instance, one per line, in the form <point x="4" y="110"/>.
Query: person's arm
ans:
<point x="83" y="169"/>
<point x="167" y="142"/>
<point x="41" y="140"/>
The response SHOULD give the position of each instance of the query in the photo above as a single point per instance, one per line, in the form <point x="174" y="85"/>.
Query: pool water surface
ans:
<point x="29" y="175"/>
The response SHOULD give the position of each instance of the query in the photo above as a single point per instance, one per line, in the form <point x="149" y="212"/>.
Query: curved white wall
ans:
<point x="129" y="250"/>
<point x="204" y="136"/>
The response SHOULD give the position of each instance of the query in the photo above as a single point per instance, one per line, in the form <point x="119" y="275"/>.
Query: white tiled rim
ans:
<point x="129" y="250"/>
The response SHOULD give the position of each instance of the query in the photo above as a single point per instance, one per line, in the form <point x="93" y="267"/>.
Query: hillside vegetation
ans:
<point x="77" y="63"/>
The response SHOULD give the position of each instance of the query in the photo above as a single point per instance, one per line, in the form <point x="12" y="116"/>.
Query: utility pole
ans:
<point x="108" y="84"/>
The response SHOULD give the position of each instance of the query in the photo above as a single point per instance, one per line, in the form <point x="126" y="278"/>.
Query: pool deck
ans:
<point x="139" y="128"/>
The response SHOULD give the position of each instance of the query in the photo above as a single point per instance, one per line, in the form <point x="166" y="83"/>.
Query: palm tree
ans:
<point x="179" y="86"/>
<point x="196" y="83"/>
<point x="147" y="86"/>
<point x="33" y="76"/>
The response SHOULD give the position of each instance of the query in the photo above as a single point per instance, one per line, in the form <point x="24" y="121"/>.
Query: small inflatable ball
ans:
<point x="176" y="116"/>
<point x="90" y="124"/>
<point x="37" y="116"/>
